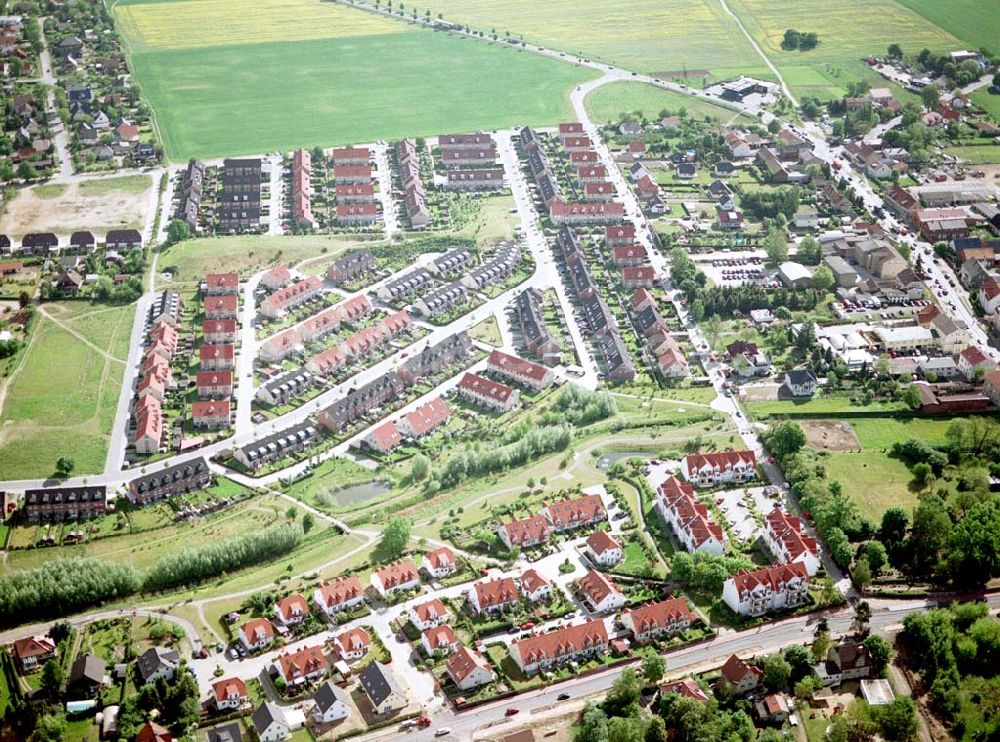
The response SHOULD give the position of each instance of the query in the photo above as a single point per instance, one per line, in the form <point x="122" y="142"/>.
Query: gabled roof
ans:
<point x="379" y="683"/>
<point x="341" y="590"/>
<point x="495" y="592"/>
<point x="464" y="662"/>
<point x="305" y="661"/>
<point x="661" y="614"/>
<point x="600" y="542"/>
<point x="329" y="695"/>
<point x="440" y="557"/>
<point x="430" y="610"/>
<point x="735" y="669"/>
<point x="597" y="586"/>
<point x="292" y="605"/>
<point x="229" y="687"/>
<point x="257" y="629"/>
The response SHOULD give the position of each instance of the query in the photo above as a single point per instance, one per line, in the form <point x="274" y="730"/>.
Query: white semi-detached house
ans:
<point x="469" y="669"/>
<point x="767" y="589"/>
<point x="395" y="577"/>
<point x="722" y="467"/>
<point x="604" y="549"/>
<point x="256" y="634"/>
<point x="534" y="587"/>
<point x="784" y="537"/>
<point x="600" y="592"/>
<point x="342" y="594"/>
<point x="654" y="620"/>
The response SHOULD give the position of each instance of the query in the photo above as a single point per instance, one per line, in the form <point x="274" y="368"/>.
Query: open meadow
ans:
<point x="849" y="30"/>
<point x="348" y="76"/>
<point x="608" y="102"/>
<point x="61" y="399"/>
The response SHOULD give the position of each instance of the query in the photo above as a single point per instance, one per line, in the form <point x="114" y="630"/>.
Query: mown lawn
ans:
<point x="777" y="408"/>
<point x="989" y="102"/>
<point x="976" y="154"/>
<point x="609" y="102"/>
<point x="63" y="399"/>
<point x="873" y="480"/>
<point x="346" y="81"/>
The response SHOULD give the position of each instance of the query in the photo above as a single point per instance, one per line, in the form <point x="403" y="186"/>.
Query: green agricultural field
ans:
<point x="975" y="22"/>
<point x="849" y="30"/>
<point x="989" y="102"/>
<point x="661" y="37"/>
<point x="61" y="400"/>
<point x="609" y="102"/>
<point x="347" y="75"/>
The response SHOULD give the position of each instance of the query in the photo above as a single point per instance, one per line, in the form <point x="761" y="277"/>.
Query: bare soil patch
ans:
<point x="70" y="210"/>
<point x="830" y="435"/>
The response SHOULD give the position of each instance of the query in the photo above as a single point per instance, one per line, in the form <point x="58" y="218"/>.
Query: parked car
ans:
<point x="442" y="731"/>
<point x="512" y="710"/>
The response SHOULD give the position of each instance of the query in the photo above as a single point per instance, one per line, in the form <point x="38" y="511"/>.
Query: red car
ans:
<point x="527" y="625"/>
<point x="511" y="711"/>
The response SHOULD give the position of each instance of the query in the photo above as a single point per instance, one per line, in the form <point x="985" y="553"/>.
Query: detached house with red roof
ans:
<point x="427" y="615"/>
<point x="970" y="359"/>
<point x="566" y="515"/>
<point x="600" y="592"/>
<point x="352" y="644"/>
<point x="384" y="437"/>
<point x="439" y="562"/>
<point x="534" y="376"/>
<point x="439" y="640"/>
<point x="34" y="651"/>
<point x="604" y="549"/>
<point x="722" y="467"/>
<point x="741" y="677"/>
<point x="774" y="588"/>
<point x="534" y="587"/>
<point x="524" y="532"/>
<point x="395" y="577"/>
<point x="229" y="693"/>
<point x="340" y="595"/>
<point x="493" y="596"/>
<point x="989" y="295"/>
<point x="291" y="610"/>
<point x="560" y="646"/>
<point x="679" y="508"/>
<point x="306" y="665"/>
<point x="786" y="539"/>
<point x="468" y="669"/>
<point x="256" y="634"/>
<point x="663" y="618"/>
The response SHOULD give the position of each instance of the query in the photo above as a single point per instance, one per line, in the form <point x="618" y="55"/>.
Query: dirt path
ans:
<point x="9" y="381"/>
<point x="78" y="336"/>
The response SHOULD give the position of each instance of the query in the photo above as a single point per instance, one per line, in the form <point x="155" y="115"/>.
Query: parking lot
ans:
<point x="739" y="507"/>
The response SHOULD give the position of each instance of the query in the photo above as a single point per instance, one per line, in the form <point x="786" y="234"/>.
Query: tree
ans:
<point x="26" y="171"/>
<point x="876" y="555"/>
<point x="308" y="521"/>
<point x="50" y="728"/>
<point x="975" y="544"/>
<point x="922" y="473"/>
<point x="653" y="668"/>
<point x="777" y="672"/>
<point x="862" y="616"/>
<point x="178" y="231"/>
<point x="930" y="96"/>
<point x="292" y="513"/>
<point x="895" y="523"/>
<point x="395" y="537"/>
<point x="60" y="631"/>
<point x="785" y="439"/>
<point x="657" y="730"/>
<point x="776" y="247"/>
<point x="52" y="678"/>
<point x="64" y="466"/>
<point x="774" y="126"/>
<point x="790" y="41"/>
<point x="897" y="720"/>
<point x="879" y="651"/>
<point x="624" y="692"/>
<point x="23" y="299"/>
<point x="862" y="573"/>
<point x="799" y="660"/>
<point x="594" y="725"/>
<point x="697" y="310"/>
<point x="820" y="646"/>
<point x="823" y="278"/>
<point x="895" y="51"/>
<point x="810" y="252"/>
<point x="911" y="397"/>
<point x="420" y="467"/>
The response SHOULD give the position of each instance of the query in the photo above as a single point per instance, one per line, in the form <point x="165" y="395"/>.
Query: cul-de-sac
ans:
<point x="511" y="372"/>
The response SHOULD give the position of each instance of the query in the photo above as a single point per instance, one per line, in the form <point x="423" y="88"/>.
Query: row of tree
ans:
<point x="210" y="560"/>
<point x="479" y="461"/>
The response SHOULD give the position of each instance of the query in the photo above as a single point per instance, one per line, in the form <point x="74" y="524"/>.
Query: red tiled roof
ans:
<point x="208" y="379"/>
<point x="628" y="252"/>
<point x="495" y="592"/>
<point x="660" y="614"/>
<point x="222" y="280"/>
<point x="566" y="641"/>
<point x="485" y="387"/>
<point x="293" y="605"/>
<point x="432" y="610"/>
<point x="600" y="542"/>
<point x="991" y="288"/>
<point x="229" y="687"/>
<point x="387" y="435"/>
<point x="341" y="590"/>
<point x="464" y="662"/>
<point x="440" y="557"/>
<point x="775" y="577"/>
<point x="638" y="273"/>
<point x="440" y="636"/>
<point x="226" y="303"/>
<point x="735" y="669"/>
<point x="619" y="233"/>
<point x="210" y="409"/>
<point x="788" y="530"/>
<point x="34" y="646"/>
<point x="397" y="574"/>
<point x="427" y="417"/>
<point x="515" y="366"/>
<point x="352" y="640"/>
<point x="306" y="661"/>
<point x="282" y="341"/>
<point x="256" y="629"/>
<point x="722" y="459"/>
<point x="352" y="171"/>
<point x="574" y="510"/>
<point x="216" y="326"/>
<point x="346" y="210"/>
<point x="532" y="528"/>
<point x="612" y="209"/>
<point x="531" y="580"/>
<point x="686" y="687"/>
<point x="207" y="352"/>
<point x="597" y="586"/>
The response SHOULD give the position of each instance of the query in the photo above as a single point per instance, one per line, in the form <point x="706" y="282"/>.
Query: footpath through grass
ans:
<point x="63" y="399"/>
